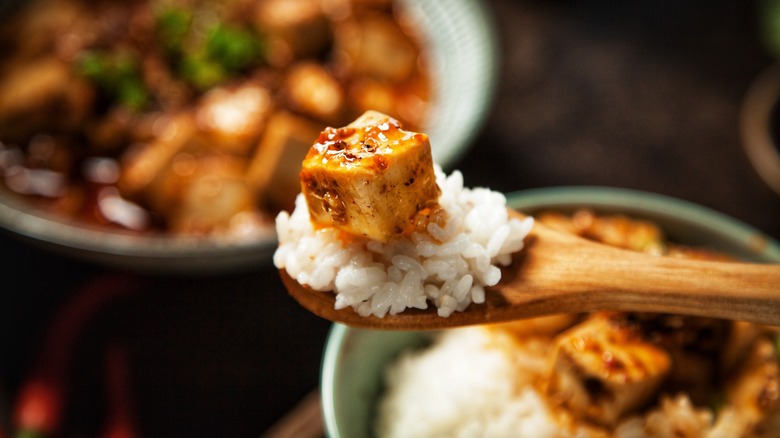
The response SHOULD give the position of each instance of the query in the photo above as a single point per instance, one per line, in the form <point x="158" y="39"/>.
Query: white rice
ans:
<point x="462" y="386"/>
<point x="448" y="267"/>
<point x="476" y="382"/>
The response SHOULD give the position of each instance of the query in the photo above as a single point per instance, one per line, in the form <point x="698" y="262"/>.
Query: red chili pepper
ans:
<point x="38" y="407"/>
<point x="39" y="404"/>
<point x="120" y="420"/>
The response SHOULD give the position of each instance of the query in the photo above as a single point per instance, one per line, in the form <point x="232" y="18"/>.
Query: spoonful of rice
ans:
<point x="381" y="238"/>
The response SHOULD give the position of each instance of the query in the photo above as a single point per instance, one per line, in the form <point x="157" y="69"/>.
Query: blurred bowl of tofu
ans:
<point x="165" y="135"/>
<point x="587" y="375"/>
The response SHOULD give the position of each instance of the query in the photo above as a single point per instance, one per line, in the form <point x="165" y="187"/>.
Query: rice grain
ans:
<point x="447" y="266"/>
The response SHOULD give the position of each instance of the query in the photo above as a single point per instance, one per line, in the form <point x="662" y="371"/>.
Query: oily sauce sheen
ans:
<point x="370" y="178"/>
<point x="374" y="143"/>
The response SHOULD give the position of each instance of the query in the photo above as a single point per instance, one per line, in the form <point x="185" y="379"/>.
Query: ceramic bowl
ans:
<point x="463" y="44"/>
<point x="354" y="359"/>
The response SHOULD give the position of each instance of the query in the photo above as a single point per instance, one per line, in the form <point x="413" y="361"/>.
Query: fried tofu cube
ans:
<point x="602" y="370"/>
<point x="145" y="165"/>
<point x="232" y="118"/>
<point x="376" y="46"/>
<point x="211" y="197"/>
<point x="740" y="339"/>
<point x="752" y="395"/>
<point x="370" y="178"/>
<point x="313" y="91"/>
<point x="295" y="29"/>
<point x="408" y="103"/>
<point x="44" y="94"/>
<point x="367" y="94"/>
<point x="274" y="170"/>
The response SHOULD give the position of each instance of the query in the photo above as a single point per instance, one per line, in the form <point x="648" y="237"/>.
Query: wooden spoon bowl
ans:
<point x="558" y="272"/>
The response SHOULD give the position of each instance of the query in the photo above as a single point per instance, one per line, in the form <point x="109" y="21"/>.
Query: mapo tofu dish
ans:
<point x="191" y="117"/>
<point x="601" y="374"/>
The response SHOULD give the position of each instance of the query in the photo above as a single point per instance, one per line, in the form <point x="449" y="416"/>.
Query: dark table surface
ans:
<point x="642" y="95"/>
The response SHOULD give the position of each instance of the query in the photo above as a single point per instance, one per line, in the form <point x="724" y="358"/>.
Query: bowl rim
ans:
<point x="152" y="253"/>
<point x="550" y="197"/>
<point x="755" y="123"/>
<point x="702" y="217"/>
<point x="473" y="56"/>
<point x="333" y="342"/>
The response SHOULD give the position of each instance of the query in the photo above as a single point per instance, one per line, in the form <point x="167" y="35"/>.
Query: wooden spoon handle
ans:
<point x="585" y="276"/>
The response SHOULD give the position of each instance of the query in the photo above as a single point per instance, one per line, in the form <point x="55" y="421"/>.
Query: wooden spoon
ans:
<point x="558" y="272"/>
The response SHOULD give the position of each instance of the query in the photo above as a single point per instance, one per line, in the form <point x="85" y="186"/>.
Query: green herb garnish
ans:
<point x="173" y="25"/>
<point x="234" y="48"/>
<point x="206" y="53"/>
<point x="117" y="74"/>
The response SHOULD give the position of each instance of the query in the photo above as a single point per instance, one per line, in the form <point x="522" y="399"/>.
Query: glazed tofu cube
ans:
<point x="44" y="94"/>
<point x="367" y="94"/>
<point x="157" y="173"/>
<point x="408" y="103"/>
<point x="146" y="164"/>
<point x="693" y="344"/>
<point x="752" y="395"/>
<point x="295" y="28"/>
<point x="602" y="370"/>
<point x="274" y="170"/>
<point x="213" y="195"/>
<point x="741" y="338"/>
<point x="624" y="232"/>
<point x="376" y="46"/>
<point x="232" y="118"/>
<point x="313" y="91"/>
<point x="370" y="178"/>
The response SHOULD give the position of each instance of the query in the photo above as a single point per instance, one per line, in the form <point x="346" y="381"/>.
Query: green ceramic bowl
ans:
<point x="354" y="359"/>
